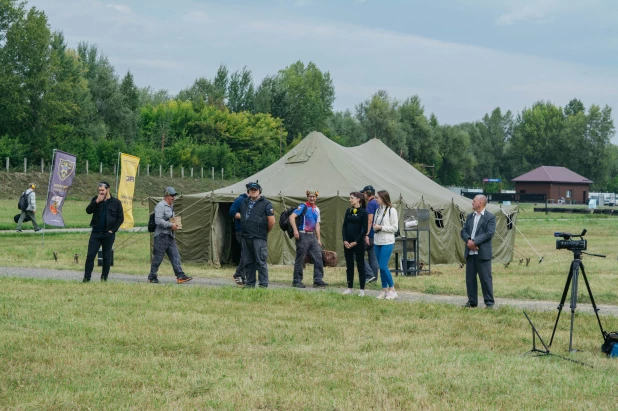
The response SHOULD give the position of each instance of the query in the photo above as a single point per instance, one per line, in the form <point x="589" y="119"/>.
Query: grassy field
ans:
<point x="85" y="186"/>
<point x="73" y="212"/>
<point x="536" y="281"/>
<point x="138" y="346"/>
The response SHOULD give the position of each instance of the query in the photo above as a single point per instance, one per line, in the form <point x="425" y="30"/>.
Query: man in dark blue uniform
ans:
<point x="257" y="219"/>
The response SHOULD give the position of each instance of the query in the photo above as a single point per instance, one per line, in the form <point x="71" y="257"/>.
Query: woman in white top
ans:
<point x="385" y="225"/>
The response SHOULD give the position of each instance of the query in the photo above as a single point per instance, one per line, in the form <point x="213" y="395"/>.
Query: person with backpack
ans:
<point x="27" y="205"/>
<point x="257" y="219"/>
<point x="239" y="275"/>
<point x="107" y="217"/>
<point x="353" y="232"/>
<point x="307" y="234"/>
<point x="165" y="239"/>
<point x="385" y="225"/>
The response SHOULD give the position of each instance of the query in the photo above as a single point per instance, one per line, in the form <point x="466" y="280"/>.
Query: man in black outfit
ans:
<point x="257" y="219"/>
<point x="107" y="217"/>
<point x="477" y="233"/>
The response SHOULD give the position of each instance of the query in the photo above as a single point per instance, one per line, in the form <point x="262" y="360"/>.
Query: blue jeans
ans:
<point x="383" y="254"/>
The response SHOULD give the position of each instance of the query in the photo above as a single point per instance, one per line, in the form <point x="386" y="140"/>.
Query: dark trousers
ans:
<point x="475" y="265"/>
<point x="308" y="243"/>
<point x="23" y="216"/>
<point x="255" y="254"/>
<point x="355" y="253"/>
<point x="165" y="244"/>
<point x="371" y="265"/>
<point x="240" y="271"/>
<point x="98" y="240"/>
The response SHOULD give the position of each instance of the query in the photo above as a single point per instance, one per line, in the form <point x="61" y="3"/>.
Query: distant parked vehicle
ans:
<point x="603" y="199"/>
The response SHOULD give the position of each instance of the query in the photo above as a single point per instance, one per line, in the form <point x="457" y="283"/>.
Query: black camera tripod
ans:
<point x="572" y="280"/>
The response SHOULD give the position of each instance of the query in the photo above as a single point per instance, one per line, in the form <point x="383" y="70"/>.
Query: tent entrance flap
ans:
<point x="225" y="235"/>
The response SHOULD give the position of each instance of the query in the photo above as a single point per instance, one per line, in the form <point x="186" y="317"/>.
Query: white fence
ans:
<point x="192" y="172"/>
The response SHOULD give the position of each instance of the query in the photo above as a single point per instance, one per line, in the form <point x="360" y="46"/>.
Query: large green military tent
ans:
<point x="318" y="163"/>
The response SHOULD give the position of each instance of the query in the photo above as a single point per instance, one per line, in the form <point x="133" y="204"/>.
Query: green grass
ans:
<point x="73" y="212"/>
<point x="536" y="281"/>
<point x="138" y="346"/>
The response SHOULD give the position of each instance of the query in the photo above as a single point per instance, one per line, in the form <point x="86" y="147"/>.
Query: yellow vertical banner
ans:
<point x="126" y="187"/>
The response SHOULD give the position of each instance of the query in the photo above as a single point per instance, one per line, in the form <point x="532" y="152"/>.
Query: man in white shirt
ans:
<point x="477" y="233"/>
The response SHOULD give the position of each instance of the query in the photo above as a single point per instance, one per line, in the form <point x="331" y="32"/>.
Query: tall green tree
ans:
<point x="456" y="161"/>
<point x="538" y="138"/>
<point x="241" y="92"/>
<point x="344" y="128"/>
<point x="380" y="118"/>
<point x="417" y="132"/>
<point x="25" y="61"/>
<point x="489" y="140"/>
<point x="302" y="96"/>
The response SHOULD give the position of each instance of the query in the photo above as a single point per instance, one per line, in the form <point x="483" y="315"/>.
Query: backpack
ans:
<point x="22" y="204"/>
<point x="152" y="226"/>
<point x="610" y="341"/>
<point x="284" y="220"/>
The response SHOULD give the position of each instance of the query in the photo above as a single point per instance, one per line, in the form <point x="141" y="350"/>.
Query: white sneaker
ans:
<point x="348" y="291"/>
<point x="381" y="296"/>
<point x="391" y="295"/>
<point x="361" y="293"/>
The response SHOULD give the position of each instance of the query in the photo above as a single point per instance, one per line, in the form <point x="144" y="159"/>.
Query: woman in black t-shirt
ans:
<point x="353" y="233"/>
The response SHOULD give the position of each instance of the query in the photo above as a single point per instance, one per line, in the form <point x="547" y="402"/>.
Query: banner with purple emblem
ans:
<point x="60" y="180"/>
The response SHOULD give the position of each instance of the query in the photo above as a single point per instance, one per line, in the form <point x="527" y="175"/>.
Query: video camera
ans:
<point x="569" y="244"/>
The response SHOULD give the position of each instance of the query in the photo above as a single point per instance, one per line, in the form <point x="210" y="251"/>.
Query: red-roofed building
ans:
<point x="557" y="182"/>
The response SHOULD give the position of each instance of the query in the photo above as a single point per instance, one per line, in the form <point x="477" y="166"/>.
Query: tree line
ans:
<point x="54" y="96"/>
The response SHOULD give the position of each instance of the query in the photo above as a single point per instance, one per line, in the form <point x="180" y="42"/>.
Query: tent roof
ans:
<point x="318" y="163"/>
<point x="551" y="174"/>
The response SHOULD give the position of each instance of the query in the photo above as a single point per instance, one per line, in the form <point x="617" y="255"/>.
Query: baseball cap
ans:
<point x="169" y="191"/>
<point x="252" y="185"/>
<point x="368" y="188"/>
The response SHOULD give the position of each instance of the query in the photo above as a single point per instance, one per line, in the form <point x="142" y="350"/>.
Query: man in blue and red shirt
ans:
<point x="305" y="222"/>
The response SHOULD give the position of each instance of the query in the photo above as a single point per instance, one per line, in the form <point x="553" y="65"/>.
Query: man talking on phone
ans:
<point x="107" y="217"/>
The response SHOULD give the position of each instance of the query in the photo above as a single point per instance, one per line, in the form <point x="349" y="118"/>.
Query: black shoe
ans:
<point x="263" y="286"/>
<point x="299" y="285"/>
<point x="153" y="280"/>
<point x="19" y="231"/>
<point x="370" y="280"/>
<point x="469" y="305"/>
<point x="321" y="284"/>
<point x="183" y="279"/>
<point x="239" y="281"/>
<point x="37" y="230"/>
<point x="490" y="307"/>
<point x="248" y="287"/>
<point x="86" y="280"/>
<point x="103" y="279"/>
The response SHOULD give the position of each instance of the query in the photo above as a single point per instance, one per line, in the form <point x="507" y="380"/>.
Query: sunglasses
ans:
<point x="103" y="185"/>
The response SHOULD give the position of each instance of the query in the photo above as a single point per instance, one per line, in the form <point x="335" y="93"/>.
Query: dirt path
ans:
<point x="68" y="275"/>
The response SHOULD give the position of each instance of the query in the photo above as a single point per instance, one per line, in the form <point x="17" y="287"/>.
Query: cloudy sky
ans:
<point x="462" y="57"/>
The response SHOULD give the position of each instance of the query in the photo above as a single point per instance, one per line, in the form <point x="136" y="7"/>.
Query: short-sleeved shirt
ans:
<point x="310" y="219"/>
<point x="372" y="207"/>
